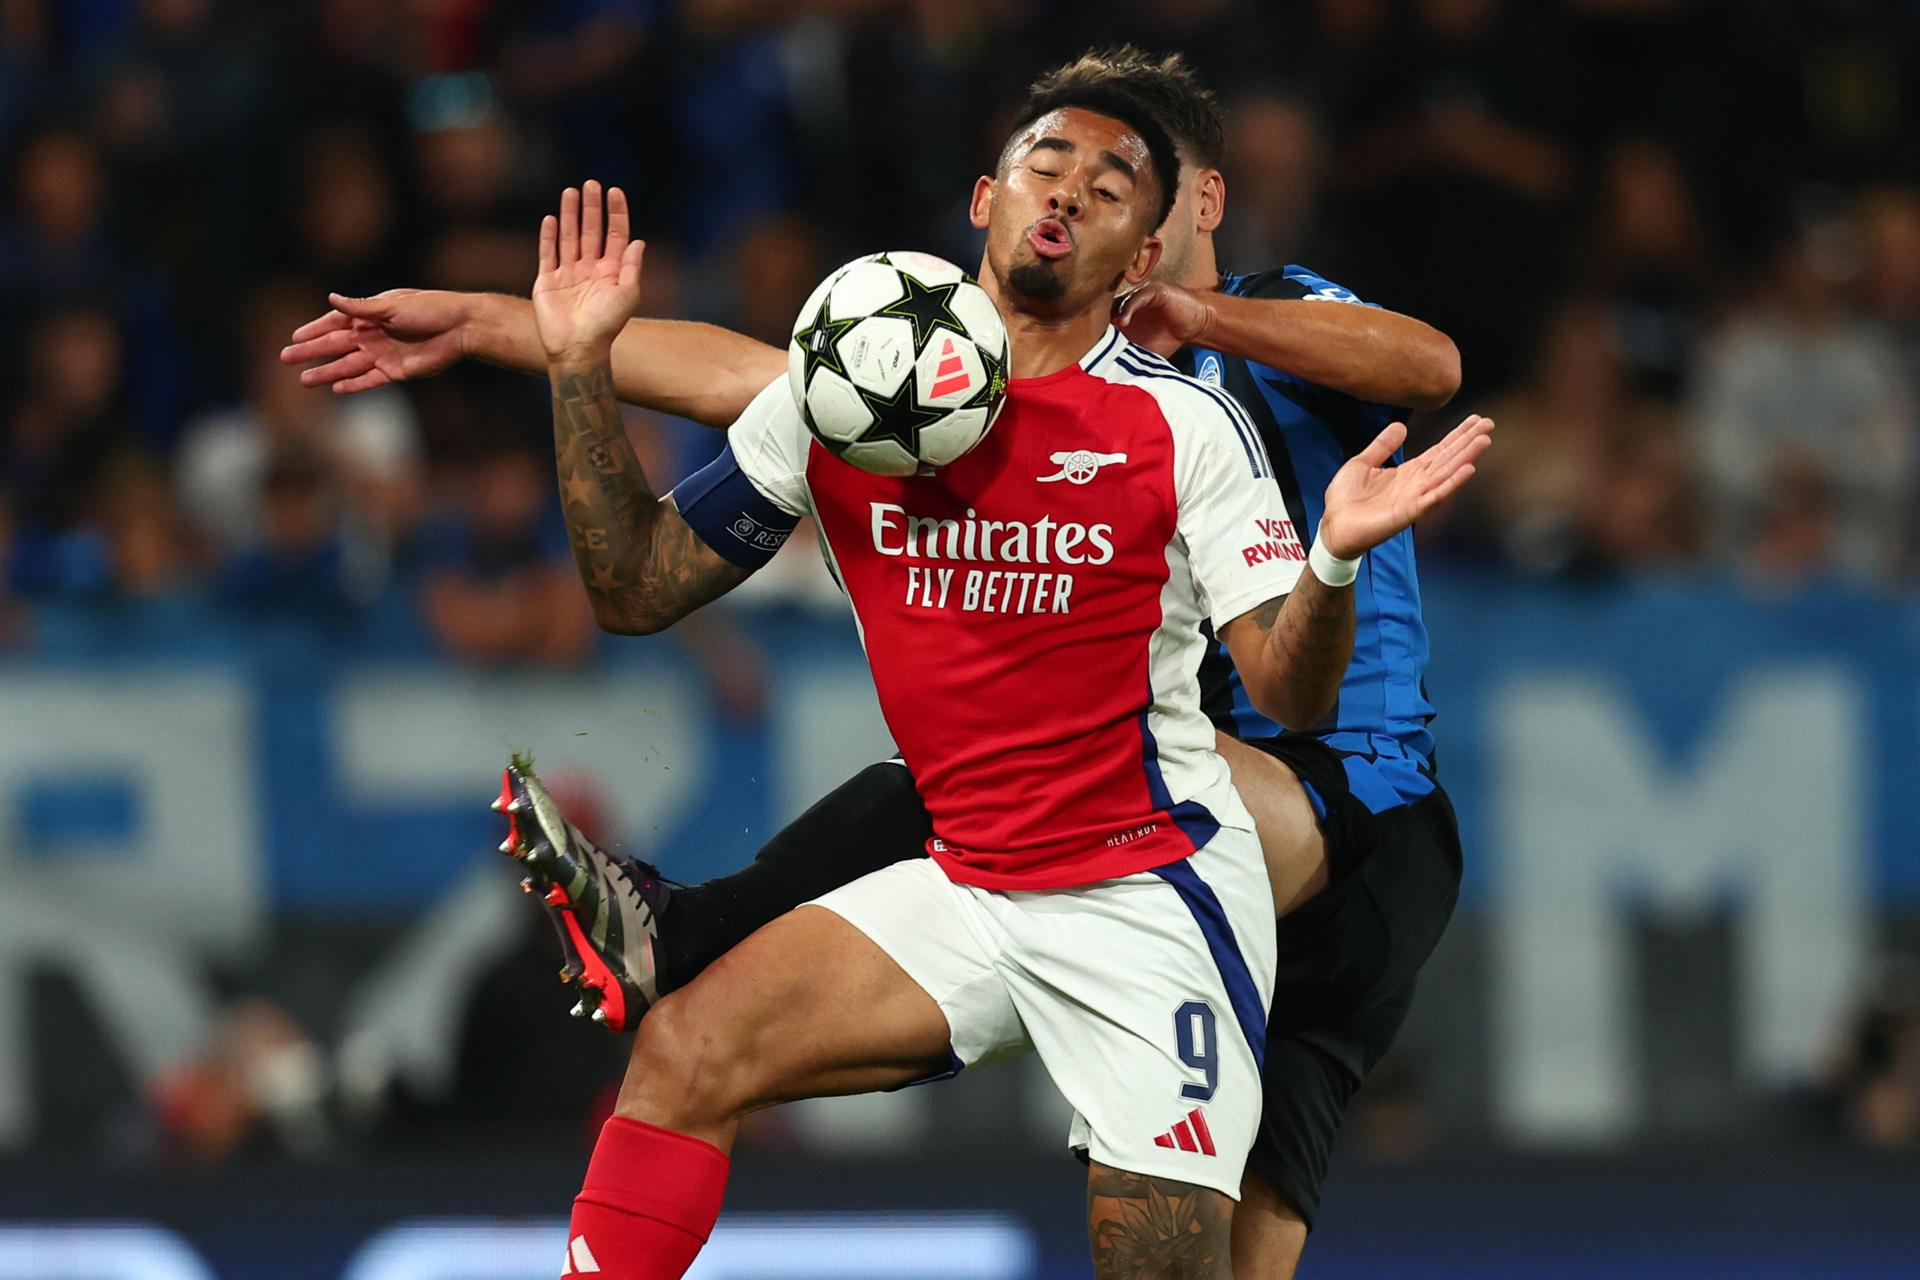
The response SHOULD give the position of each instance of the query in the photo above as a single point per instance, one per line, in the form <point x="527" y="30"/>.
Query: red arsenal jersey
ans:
<point x="1032" y="611"/>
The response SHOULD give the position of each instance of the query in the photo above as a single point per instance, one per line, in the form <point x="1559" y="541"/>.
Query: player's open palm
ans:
<point x="1368" y="501"/>
<point x="589" y="281"/>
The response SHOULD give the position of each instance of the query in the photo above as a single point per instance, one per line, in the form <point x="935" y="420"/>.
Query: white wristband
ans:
<point x="1328" y="567"/>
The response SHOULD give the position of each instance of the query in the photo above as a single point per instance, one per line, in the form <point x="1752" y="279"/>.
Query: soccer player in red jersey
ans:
<point x="1369" y="355"/>
<point x="1102" y="839"/>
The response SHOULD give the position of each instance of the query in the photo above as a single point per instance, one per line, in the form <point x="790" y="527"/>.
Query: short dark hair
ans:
<point x="1120" y="102"/>
<point x="1164" y="82"/>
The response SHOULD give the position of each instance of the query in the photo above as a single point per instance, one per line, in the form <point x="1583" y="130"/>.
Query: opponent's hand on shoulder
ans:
<point x="589" y="282"/>
<point x="396" y="336"/>
<point x="1369" y="501"/>
<point x="1163" y="317"/>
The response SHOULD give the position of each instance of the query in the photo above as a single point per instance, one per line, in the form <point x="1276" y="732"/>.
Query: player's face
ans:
<point x="1070" y="219"/>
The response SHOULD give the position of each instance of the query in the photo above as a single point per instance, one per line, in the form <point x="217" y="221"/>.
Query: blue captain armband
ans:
<point x="740" y="524"/>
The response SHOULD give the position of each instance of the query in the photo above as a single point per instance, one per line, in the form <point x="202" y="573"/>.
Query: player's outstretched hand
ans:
<point x="1162" y="317"/>
<point x="396" y="336"/>
<point x="589" y="283"/>
<point x="1369" y="501"/>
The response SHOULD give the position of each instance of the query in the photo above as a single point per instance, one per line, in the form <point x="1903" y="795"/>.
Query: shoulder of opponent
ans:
<point x="1200" y="416"/>
<point x="1292" y="281"/>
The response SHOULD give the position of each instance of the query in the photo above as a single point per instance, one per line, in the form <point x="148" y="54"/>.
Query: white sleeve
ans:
<point x="1242" y="548"/>
<point x="770" y="442"/>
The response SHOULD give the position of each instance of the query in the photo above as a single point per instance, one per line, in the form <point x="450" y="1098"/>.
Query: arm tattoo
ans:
<point x="643" y="567"/>
<point x="1310" y="633"/>
<point x="1145" y="1228"/>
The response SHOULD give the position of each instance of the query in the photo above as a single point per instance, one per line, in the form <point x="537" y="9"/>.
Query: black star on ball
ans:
<point x="898" y="417"/>
<point x="993" y="385"/>
<point x="928" y="307"/>
<point x="821" y="341"/>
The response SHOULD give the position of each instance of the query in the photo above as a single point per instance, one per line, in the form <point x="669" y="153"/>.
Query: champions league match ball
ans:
<point x="899" y="363"/>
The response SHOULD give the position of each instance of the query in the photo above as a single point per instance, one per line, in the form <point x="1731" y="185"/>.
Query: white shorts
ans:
<point x="1146" y="997"/>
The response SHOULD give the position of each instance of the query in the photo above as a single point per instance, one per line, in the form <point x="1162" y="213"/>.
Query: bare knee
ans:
<point x="1289" y="830"/>
<point x="1269" y="1231"/>
<point x="683" y="1073"/>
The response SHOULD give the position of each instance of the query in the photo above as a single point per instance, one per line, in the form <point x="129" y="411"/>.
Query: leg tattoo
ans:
<point x="1145" y="1228"/>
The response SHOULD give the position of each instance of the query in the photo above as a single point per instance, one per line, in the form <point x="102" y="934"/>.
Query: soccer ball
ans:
<point x="898" y="362"/>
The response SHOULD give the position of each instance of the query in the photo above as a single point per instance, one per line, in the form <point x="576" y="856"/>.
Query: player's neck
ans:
<point x="1202" y="273"/>
<point x="1047" y="344"/>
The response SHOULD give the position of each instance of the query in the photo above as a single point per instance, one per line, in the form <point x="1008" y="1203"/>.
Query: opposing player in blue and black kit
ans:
<point x="1360" y="840"/>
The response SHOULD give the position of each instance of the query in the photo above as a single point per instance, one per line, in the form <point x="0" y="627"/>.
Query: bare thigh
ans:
<point x="1268" y="1232"/>
<point x="1143" y="1228"/>
<point x="806" y="1007"/>
<point x="1290" y="836"/>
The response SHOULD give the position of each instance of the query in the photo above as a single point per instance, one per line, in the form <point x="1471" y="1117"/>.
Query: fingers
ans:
<point x="1135" y="304"/>
<point x="376" y="308"/>
<point x="1384" y="444"/>
<point x="351" y="365"/>
<point x="324" y="345"/>
<point x="590" y="222"/>
<point x="365" y="382"/>
<point x="549" y="244"/>
<point x="1446" y="489"/>
<point x="1447" y="479"/>
<point x="328" y="323"/>
<point x="619" y="228"/>
<point x="569" y="226"/>
<point x="630" y="261"/>
<point x="1448" y="450"/>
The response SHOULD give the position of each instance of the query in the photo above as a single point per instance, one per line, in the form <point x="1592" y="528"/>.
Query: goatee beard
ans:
<point x="1041" y="284"/>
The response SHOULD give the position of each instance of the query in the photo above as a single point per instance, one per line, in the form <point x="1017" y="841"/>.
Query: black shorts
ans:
<point x="1348" y="960"/>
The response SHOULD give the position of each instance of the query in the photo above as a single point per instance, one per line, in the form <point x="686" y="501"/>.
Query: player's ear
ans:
<point x="982" y="203"/>
<point x="1143" y="263"/>
<point x="1209" y="200"/>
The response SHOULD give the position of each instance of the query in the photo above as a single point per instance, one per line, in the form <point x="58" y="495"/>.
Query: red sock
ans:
<point x="648" y="1203"/>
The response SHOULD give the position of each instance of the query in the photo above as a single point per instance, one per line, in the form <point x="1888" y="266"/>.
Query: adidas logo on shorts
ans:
<point x="1189" y="1135"/>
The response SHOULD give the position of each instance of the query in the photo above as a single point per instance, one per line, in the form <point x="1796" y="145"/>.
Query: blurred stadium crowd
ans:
<point x="1678" y="242"/>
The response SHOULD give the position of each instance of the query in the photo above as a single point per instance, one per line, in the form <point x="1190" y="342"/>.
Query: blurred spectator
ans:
<point x="364" y="449"/>
<point x="260" y="1083"/>
<point x="57" y="241"/>
<point x="1797" y="390"/>
<point x="775" y="266"/>
<point x="593" y="68"/>
<point x="1276" y="159"/>
<point x="60" y="441"/>
<point x="1456" y="172"/>
<point x="305" y="561"/>
<point x="501" y="588"/>
<point x="1590" y="476"/>
<point x="26" y="47"/>
<point x="59" y="248"/>
<point x="1651" y="254"/>
<point x="1873" y="1089"/>
<point x="345" y="212"/>
<point x="1890" y="223"/>
<point x="16" y="624"/>
<point x="150" y="550"/>
<point x="471" y="169"/>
